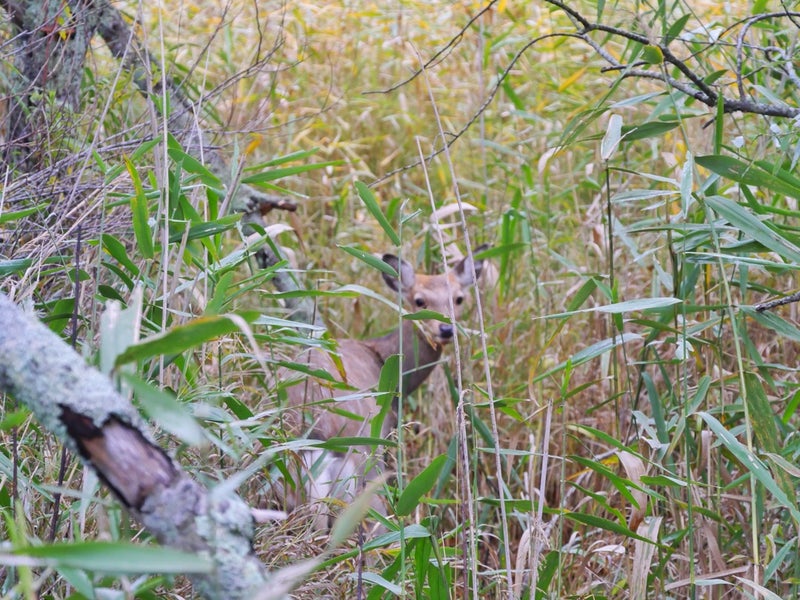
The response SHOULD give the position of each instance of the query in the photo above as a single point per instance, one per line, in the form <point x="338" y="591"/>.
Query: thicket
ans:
<point x="629" y="394"/>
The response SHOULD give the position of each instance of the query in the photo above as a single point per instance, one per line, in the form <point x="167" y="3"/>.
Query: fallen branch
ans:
<point x="82" y="407"/>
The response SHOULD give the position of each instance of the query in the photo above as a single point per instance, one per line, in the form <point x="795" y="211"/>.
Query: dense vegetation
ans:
<point x="629" y="410"/>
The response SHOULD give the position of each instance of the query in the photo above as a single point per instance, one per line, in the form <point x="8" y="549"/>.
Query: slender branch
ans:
<point x="762" y="306"/>
<point x="440" y="55"/>
<point x="748" y="23"/>
<point x="447" y="143"/>
<point x="694" y="86"/>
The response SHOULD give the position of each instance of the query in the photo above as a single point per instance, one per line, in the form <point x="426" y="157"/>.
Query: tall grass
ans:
<point x="629" y="416"/>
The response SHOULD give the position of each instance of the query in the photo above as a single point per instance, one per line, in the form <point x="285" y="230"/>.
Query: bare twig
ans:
<point x="762" y="306"/>
<point x="694" y="84"/>
<point x="62" y="468"/>
<point x="446" y="143"/>
<point x="748" y="23"/>
<point x="440" y="55"/>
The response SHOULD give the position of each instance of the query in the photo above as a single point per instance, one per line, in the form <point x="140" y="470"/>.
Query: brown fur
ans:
<point x="358" y="363"/>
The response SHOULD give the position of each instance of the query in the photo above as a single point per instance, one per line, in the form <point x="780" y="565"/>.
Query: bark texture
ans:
<point x="50" y="49"/>
<point x="82" y="407"/>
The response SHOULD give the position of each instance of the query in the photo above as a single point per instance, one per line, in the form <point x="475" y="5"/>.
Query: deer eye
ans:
<point x="419" y="302"/>
<point x="459" y="300"/>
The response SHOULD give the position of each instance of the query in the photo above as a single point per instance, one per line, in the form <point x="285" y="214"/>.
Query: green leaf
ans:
<point x="426" y="315"/>
<point x="639" y="304"/>
<point x="623" y="485"/>
<point x="648" y="129"/>
<point x="652" y="54"/>
<point x="183" y="337"/>
<point x="281" y="160"/>
<point x="547" y="570"/>
<point x="419" y="486"/>
<point x="369" y="200"/>
<point x="612" y="137"/>
<point x="344" y="444"/>
<point x="117" y="250"/>
<point x="371" y="260"/>
<point x="777" y="180"/>
<point x="772" y="321"/>
<point x="376" y="579"/>
<point x="14" y="419"/>
<point x="163" y="408"/>
<point x="601" y="523"/>
<point x="274" y="174"/>
<point x="140" y="213"/>
<point x="393" y="537"/>
<point x="192" y="165"/>
<point x="206" y="228"/>
<point x="752" y="463"/>
<point x="587" y="354"/>
<point x="13" y="215"/>
<point x="748" y="224"/>
<point x="388" y="386"/>
<point x="765" y="426"/>
<point x="676" y="28"/>
<point x="117" y="558"/>
<point x="15" y="265"/>
<point x="603" y="437"/>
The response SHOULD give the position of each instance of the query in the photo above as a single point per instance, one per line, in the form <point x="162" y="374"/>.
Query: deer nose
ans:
<point x="445" y="331"/>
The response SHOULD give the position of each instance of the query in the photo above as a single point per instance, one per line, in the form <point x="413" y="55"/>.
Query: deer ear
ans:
<point x="465" y="268"/>
<point x="406" y="271"/>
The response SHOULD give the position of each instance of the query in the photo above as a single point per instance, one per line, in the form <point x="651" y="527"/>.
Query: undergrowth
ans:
<point x="639" y="406"/>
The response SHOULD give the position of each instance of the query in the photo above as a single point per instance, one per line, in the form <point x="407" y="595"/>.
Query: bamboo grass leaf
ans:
<point x="419" y="486"/>
<point x="751" y="174"/>
<point x="601" y="523"/>
<point x="183" y="337"/>
<point x="166" y="411"/>
<point x="753" y="227"/>
<point x="272" y="175"/>
<point x="765" y="427"/>
<point x="116" y="557"/>
<point x="612" y="137"/>
<point x="752" y="463"/>
<point x="140" y="214"/>
<point x="369" y="200"/>
<point x="371" y="260"/>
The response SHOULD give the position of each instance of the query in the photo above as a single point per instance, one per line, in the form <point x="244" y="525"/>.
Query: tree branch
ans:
<point x="84" y="410"/>
<point x="440" y="55"/>
<point x="695" y="87"/>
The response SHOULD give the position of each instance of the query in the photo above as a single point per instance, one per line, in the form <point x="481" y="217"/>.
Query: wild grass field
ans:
<point x="629" y="414"/>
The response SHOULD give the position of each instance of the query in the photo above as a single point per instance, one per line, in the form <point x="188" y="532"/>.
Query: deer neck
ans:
<point x="420" y="356"/>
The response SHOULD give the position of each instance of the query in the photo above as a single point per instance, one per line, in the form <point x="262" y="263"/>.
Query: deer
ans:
<point x="355" y="369"/>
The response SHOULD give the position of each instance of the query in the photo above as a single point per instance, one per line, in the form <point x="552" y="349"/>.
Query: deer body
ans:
<point x="358" y="364"/>
<point x="361" y="362"/>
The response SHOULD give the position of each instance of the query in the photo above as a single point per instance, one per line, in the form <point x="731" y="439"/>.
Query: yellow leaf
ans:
<point x="571" y="79"/>
<point x="254" y="143"/>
